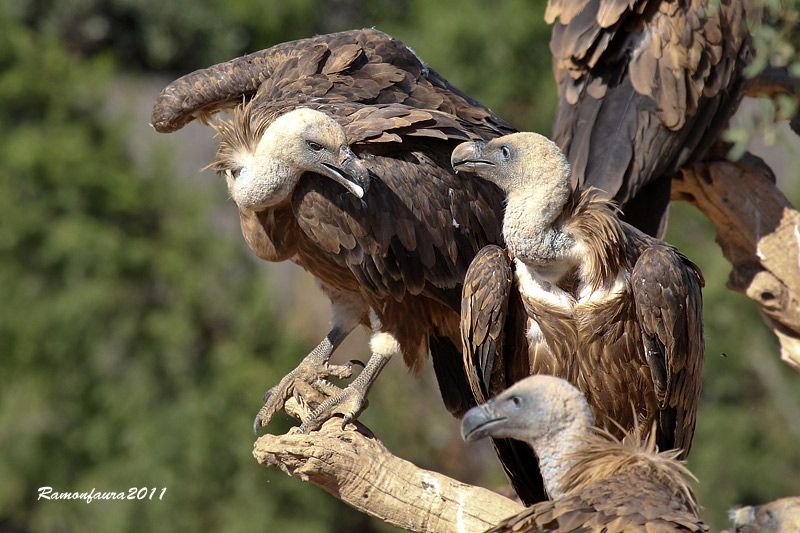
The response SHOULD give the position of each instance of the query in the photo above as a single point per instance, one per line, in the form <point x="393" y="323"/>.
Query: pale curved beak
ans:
<point x="479" y="422"/>
<point x="349" y="172"/>
<point x="468" y="157"/>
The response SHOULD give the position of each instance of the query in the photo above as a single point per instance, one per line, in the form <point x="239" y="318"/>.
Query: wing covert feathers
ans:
<point x="364" y="67"/>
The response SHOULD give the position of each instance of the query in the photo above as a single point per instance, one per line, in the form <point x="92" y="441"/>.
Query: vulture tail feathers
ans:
<point x="450" y="375"/>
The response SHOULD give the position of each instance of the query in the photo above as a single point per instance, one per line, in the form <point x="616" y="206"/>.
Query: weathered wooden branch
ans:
<point x="759" y="232"/>
<point x="355" y="467"/>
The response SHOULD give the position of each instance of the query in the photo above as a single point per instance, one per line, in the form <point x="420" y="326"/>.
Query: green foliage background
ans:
<point x="136" y="334"/>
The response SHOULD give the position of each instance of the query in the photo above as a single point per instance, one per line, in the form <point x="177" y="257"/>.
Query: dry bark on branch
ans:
<point x="759" y="233"/>
<point x="355" y="467"/>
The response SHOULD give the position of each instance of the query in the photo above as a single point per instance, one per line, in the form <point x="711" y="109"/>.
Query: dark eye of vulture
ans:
<point x="597" y="482"/>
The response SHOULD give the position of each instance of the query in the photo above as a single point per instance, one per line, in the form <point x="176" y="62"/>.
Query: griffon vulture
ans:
<point x="582" y="296"/>
<point x="645" y="87"/>
<point x="339" y="160"/>
<point x="779" y="516"/>
<point x="597" y="482"/>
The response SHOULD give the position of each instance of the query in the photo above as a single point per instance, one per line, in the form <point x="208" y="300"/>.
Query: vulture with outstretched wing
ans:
<point x="582" y="296"/>
<point x="598" y="482"/>
<point x="645" y="87"/>
<point x="338" y="159"/>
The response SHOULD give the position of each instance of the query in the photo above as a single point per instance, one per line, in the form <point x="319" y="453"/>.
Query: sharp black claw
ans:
<point x="357" y="362"/>
<point x="299" y="399"/>
<point x="257" y="424"/>
<point x="267" y="395"/>
<point x="346" y="420"/>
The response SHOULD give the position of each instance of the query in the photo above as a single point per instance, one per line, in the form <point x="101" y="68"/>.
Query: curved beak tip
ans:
<point x="359" y="177"/>
<point x="468" y="156"/>
<point x="357" y="190"/>
<point x="476" y="421"/>
<point x="351" y="174"/>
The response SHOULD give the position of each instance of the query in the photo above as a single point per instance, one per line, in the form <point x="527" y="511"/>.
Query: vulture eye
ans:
<point x="314" y="146"/>
<point x="505" y="152"/>
<point x="516" y="401"/>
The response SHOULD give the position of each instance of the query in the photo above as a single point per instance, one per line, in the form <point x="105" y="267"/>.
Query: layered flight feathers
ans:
<point x="645" y="87"/>
<point x="344" y="69"/>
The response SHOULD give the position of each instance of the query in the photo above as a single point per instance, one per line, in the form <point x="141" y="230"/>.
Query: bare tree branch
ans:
<point x="355" y="467"/>
<point x="759" y="232"/>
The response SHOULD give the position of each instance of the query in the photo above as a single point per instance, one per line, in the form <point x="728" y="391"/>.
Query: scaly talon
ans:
<point x="347" y="418"/>
<point x="312" y="369"/>
<point x="349" y="403"/>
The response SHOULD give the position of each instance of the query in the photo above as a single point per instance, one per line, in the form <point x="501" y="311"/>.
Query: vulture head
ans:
<point x="547" y="412"/>
<point x="535" y="175"/>
<point x="773" y="517"/>
<point x="263" y="170"/>
<point x="520" y="163"/>
<point x="537" y="408"/>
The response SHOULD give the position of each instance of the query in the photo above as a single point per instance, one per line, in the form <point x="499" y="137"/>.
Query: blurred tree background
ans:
<point x="138" y="332"/>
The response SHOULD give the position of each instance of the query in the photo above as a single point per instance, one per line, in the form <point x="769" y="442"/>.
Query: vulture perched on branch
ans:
<point x="582" y="296"/>
<point x="338" y="159"/>
<point x="597" y="482"/>
<point x="645" y="87"/>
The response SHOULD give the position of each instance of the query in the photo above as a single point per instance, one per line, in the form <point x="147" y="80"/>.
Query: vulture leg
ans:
<point x="353" y="399"/>
<point x="313" y="368"/>
<point x="310" y="379"/>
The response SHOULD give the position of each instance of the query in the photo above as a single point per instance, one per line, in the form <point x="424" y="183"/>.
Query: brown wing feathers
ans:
<point x="666" y="288"/>
<point x="359" y="66"/>
<point x="645" y="87"/>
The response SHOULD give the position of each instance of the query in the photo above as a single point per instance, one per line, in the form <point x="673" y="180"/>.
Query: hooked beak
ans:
<point x="349" y="172"/>
<point x="468" y="157"/>
<point x="479" y="421"/>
